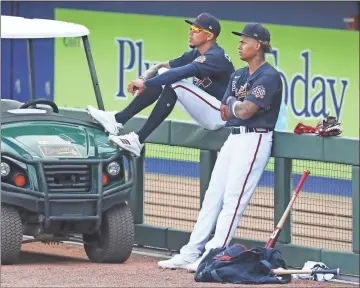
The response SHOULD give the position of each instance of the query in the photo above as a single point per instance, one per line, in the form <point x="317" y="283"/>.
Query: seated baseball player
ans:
<point x="210" y="68"/>
<point x="251" y="107"/>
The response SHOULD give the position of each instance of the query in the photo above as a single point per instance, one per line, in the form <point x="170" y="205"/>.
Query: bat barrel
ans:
<point x="307" y="271"/>
<point x="327" y="271"/>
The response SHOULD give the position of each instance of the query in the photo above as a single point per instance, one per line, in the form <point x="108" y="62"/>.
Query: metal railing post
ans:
<point x="355" y="209"/>
<point x="136" y="200"/>
<point x="207" y="162"/>
<point x="282" y="195"/>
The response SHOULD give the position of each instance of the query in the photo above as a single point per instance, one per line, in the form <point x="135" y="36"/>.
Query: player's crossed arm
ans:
<point x="243" y="110"/>
<point x="231" y="106"/>
<point x="259" y="98"/>
<point x="235" y="108"/>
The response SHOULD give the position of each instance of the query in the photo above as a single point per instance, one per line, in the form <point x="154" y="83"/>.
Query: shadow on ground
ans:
<point x="27" y="257"/>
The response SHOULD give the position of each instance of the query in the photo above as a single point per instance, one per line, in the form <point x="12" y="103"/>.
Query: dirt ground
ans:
<point x="66" y="265"/>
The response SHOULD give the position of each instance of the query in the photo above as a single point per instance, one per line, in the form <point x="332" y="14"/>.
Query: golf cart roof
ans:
<point x="24" y="28"/>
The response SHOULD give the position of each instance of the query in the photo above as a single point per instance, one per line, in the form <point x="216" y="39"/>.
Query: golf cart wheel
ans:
<point x="114" y="242"/>
<point x="11" y="235"/>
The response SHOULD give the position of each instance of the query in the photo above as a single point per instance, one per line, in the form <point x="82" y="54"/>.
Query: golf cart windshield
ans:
<point x="24" y="28"/>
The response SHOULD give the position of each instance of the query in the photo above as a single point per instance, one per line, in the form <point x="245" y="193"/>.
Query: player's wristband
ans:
<point x="233" y="108"/>
<point x="232" y="103"/>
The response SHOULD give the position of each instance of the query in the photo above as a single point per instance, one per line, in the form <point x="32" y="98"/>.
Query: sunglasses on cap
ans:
<point x="196" y="29"/>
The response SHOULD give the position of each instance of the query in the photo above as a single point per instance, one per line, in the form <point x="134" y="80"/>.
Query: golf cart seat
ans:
<point x="9" y="104"/>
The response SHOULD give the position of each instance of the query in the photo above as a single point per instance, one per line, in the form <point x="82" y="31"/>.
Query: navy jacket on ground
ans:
<point x="236" y="265"/>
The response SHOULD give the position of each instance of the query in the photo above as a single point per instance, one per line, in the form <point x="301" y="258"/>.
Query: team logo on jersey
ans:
<point x="200" y="59"/>
<point x="258" y="91"/>
<point x="242" y="91"/>
<point x="206" y="82"/>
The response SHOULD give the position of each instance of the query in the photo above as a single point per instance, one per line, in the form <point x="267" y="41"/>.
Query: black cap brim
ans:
<point x="240" y="34"/>
<point x="189" y="22"/>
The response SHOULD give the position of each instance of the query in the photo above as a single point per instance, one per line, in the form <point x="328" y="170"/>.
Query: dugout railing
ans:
<point x="340" y="212"/>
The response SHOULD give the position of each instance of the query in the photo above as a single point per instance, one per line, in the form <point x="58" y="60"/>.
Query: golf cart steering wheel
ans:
<point x="40" y="101"/>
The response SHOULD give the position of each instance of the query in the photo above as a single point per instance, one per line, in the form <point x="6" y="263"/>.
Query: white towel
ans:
<point x="316" y="277"/>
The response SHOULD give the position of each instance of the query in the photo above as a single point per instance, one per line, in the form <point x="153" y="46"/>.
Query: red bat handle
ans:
<point x="302" y="180"/>
<point x="274" y="236"/>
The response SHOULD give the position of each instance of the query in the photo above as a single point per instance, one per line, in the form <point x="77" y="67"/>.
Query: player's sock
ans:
<point x="162" y="109"/>
<point x="145" y="99"/>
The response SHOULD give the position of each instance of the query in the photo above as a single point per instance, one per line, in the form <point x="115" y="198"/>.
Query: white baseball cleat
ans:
<point x="129" y="142"/>
<point x="177" y="262"/>
<point x="193" y="266"/>
<point x="106" y="120"/>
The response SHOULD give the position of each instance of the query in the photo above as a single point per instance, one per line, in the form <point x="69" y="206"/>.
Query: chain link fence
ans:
<point x="172" y="186"/>
<point x="321" y="215"/>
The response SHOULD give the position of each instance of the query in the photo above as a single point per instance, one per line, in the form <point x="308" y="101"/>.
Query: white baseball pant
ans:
<point x="201" y="106"/>
<point x="236" y="173"/>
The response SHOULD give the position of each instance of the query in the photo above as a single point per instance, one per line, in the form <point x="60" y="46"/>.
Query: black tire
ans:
<point x="115" y="240"/>
<point x="11" y="235"/>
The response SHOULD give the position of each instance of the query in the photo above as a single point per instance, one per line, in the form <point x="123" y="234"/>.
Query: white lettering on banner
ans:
<point x="315" y="89"/>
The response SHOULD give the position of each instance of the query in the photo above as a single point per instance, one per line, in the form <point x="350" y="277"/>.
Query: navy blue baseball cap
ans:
<point x="208" y="22"/>
<point x="256" y="31"/>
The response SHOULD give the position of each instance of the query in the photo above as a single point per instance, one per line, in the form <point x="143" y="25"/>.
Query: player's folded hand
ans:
<point x="137" y="86"/>
<point x="225" y="112"/>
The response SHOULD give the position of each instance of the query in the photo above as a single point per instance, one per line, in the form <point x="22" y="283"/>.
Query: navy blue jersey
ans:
<point x="264" y="87"/>
<point x="215" y="68"/>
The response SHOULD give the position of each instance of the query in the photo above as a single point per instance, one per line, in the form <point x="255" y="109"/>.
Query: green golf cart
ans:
<point x="60" y="178"/>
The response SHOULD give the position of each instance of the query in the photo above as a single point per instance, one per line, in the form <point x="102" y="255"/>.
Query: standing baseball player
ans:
<point x="210" y="68"/>
<point x="250" y="106"/>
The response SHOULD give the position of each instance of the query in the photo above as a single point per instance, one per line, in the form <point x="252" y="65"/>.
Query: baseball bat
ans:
<point x="307" y="271"/>
<point x="274" y="236"/>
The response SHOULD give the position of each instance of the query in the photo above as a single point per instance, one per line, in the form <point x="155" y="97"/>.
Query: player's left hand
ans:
<point x="225" y="112"/>
<point x="136" y="85"/>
